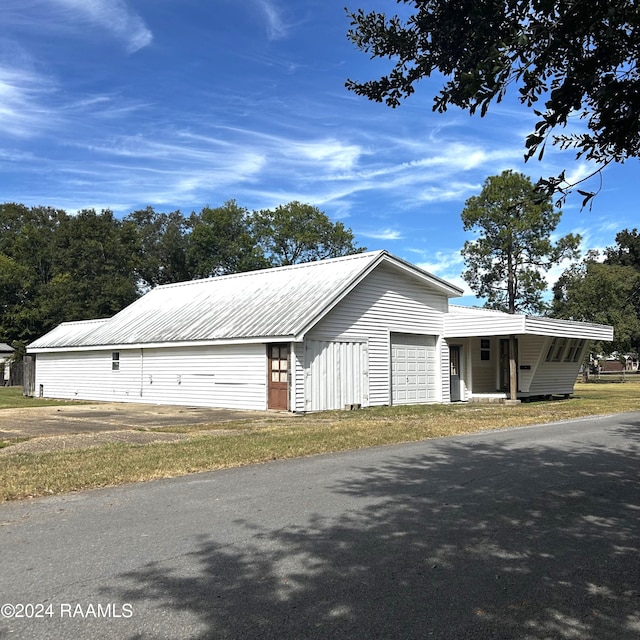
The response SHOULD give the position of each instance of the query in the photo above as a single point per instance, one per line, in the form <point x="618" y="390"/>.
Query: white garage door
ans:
<point x="413" y="368"/>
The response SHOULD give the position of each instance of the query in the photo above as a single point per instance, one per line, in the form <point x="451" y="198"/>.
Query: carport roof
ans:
<point x="270" y="305"/>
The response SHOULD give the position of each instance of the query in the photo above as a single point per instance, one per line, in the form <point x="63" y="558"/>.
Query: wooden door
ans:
<point x="278" y="384"/>
<point x="505" y="371"/>
<point x="454" y="374"/>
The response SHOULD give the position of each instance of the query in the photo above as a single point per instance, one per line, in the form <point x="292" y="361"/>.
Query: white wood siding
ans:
<point x="383" y="303"/>
<point x="233" y="376"/>
<point x="297" y="377"/>
<point x="445" y="378"/>
<point x="556" y="377"/>
<point x="569" y="329"/>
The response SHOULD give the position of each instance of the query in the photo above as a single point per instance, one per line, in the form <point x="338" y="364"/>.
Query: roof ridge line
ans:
<point x="298" y="265"/>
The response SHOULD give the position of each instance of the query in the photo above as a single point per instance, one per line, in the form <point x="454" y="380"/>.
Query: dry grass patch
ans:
<point x="13" y="398"/>
<point x="250" y="442"/>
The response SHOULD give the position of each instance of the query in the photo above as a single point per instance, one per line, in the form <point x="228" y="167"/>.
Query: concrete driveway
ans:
<point x="69" y="419"/>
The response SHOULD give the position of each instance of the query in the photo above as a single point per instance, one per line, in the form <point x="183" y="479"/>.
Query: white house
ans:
<point x="367" y="329"/>
<point x="6" y="356"/>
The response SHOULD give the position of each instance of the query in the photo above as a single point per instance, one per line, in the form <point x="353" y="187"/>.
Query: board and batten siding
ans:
<point x="229" y="376"/>
<point x="383" y="303"/>
<point x="337" y="374"/>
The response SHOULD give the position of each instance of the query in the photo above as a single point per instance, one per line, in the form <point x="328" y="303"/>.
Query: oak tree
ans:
<point x="566" y="59"/>
<point x="298" y="232"/>
<point x="221" y="242"/>
<point x="606" y="291"/>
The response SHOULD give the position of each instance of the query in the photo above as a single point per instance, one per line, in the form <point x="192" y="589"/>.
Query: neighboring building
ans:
<point x="362" y="330"/>
<point x="6" y="357"/>
<point x="627" y="363"/>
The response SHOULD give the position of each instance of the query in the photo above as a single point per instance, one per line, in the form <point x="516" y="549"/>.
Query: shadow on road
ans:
<point x="471" y="541"/>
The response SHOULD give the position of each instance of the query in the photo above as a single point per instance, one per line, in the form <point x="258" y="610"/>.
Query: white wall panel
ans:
<point x="531" y="350"/>
<point x="485" y="372"/>
<point x="231" y="376"/>
<point x="88" y="376"/>
<point x="383" y="303"/>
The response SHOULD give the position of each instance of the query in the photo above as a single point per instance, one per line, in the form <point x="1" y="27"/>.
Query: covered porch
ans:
<point x="549" y="353"/>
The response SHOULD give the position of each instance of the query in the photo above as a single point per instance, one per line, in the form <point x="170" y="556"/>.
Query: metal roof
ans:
<point x="70" y="334"/>
<point x="283" y="302"/>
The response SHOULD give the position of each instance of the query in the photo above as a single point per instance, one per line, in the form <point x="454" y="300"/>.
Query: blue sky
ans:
<point x="179" y="104"/>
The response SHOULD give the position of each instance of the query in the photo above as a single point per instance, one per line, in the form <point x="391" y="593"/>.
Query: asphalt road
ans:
<point x="530" y="533"/>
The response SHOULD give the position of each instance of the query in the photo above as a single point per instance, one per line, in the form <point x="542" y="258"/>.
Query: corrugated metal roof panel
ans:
<point x="271" y="302"/>
<point x="282" y="302"/>
<point x="68" y="334"/>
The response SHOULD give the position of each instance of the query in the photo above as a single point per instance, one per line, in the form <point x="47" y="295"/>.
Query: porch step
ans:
<point x="488" y="400"/>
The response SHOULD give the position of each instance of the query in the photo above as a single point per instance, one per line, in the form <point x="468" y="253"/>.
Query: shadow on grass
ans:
<point x="469" y="541"/>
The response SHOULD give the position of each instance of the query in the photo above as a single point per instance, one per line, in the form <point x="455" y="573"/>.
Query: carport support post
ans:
<point x="513" y="372"/>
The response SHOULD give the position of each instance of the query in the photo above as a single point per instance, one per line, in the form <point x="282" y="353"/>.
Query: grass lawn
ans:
<point x="36" y="474"/>
<point x="12" y="398"/>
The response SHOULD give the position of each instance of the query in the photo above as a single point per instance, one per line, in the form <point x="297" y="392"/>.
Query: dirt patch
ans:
<point x="89" y="440"/>
<point x="35" y="422"/>
<point x="76" y="426"/>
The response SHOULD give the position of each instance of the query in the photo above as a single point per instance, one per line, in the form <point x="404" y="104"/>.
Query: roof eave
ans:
<point x="153" y="345"/>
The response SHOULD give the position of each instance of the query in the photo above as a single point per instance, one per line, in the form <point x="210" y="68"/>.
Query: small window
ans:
<point x="115" y="361"/>
<point x="556" y="350"/>
<point x="574" y="349"/>
<point x="485" y="349"/>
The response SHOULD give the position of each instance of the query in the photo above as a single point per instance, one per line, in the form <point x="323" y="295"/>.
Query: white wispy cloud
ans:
<point x="446" y="192"/>
<point x="448" y="266"/>
<point x="23" y="110"/>
<point x="442" y="263"/>
<point x="332" y="154"/>
<point x="114" y="16"/>
<point x="276" y="26"/>
<point x="382" y="234"/>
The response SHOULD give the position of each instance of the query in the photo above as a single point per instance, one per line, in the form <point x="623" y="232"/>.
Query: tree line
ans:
<point x="57" y="267"/>
<point x="605" y="289"/>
